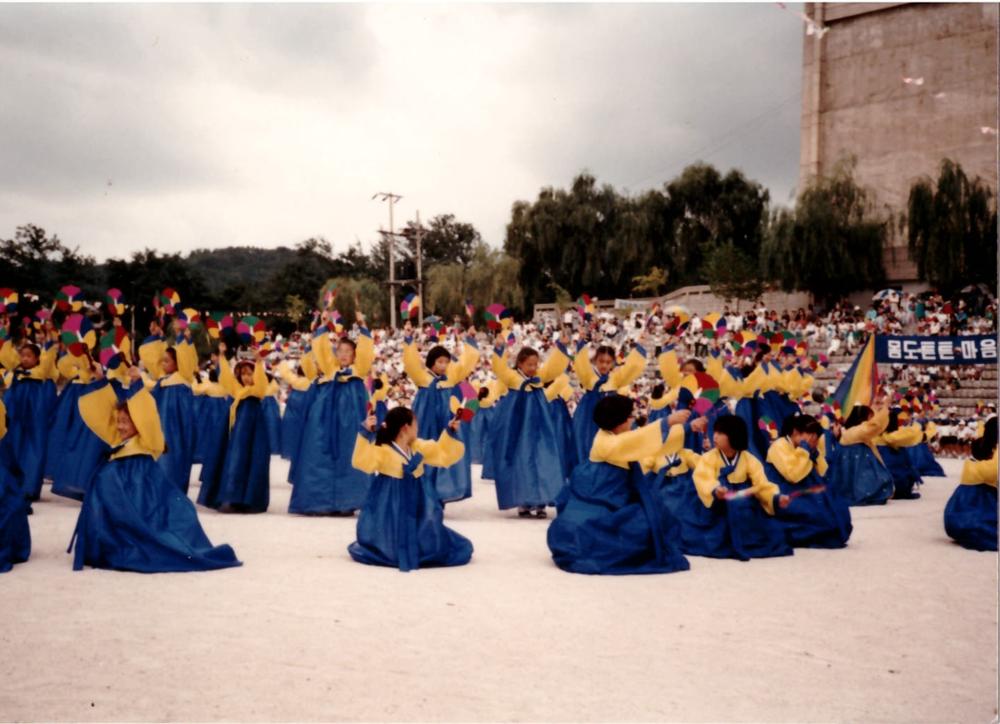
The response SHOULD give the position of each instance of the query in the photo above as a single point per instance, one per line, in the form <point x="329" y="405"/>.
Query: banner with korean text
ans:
<point x="968" y="350"/>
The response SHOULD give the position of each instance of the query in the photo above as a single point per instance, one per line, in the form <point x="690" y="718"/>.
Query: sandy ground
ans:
<point x="900" y="626"/>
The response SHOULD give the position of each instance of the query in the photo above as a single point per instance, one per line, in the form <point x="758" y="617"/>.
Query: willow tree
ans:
<point x="952" y="229"/>
<point x="831" y="243"/>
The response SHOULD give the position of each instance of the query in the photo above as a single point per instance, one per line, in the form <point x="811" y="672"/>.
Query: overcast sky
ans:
<point x="179" y="127"/>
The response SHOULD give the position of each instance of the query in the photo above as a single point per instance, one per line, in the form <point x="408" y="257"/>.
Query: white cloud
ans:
<point x="268" y="124"/>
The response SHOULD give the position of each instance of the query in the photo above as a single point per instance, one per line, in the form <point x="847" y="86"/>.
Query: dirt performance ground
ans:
<point x="900" y="626"/>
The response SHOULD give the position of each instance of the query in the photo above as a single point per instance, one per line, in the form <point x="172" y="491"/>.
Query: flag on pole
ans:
<point x="860" y="383"/>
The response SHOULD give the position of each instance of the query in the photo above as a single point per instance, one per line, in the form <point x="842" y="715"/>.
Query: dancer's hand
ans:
<point x="370" y="423"/>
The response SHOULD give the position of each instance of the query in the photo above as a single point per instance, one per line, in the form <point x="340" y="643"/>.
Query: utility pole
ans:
<point x="392" y="199"/>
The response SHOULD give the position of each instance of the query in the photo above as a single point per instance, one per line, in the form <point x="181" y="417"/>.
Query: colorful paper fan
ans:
<point x="111" y="347"/>
<point x="78" y="334"/>
<point x="218" y="322"/>
<point x="493" y="315"/>
<point x="334" y="322"/>
<point x="470" y="309"/>
<point x="585" y="307"/>
<point x="166" y="301"/>
<point x="68" y="299"/>
<point x="8" y="301"/>
<point x="768" y="425"/>
<point x="470" y="402"/>
<point x="703" y="389"/>
<point x="251" y="330"/>
<point x="328" y="295"/>
<point x="187" y="318"/>
<point x="434" y="321"/>
<point x="713" y="324"/>
<point x="41" y="317"/>
<point x="113" y="302"/>
<point x="679" y="321"/>
<point x="409" y="306"/>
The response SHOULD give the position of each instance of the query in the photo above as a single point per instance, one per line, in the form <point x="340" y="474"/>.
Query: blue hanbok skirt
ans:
<point x="245" y="479"/>
<point x="323" y="479"/>
<point x="134" y="519"/>
<point x="15" y="535"/>
<point x="272" y="417"/>
<point x="922" y="459"/>
<point x="175" y="404"/>
<point x="677" y="491"/>
<point x="292" y="422"/>
<point x="432" y="408"/>
<point x="30" y="406"/>
<point x="565" y="436"/>
<point x="613" y="521"/>
<point x="74" y="451"/>
<point x="816" y="520"/>
<point x="213" y="439"/>
<point x="858" y="477"/>
<point x="527" y="461"/>
<point x="401" y="526"/>
<point x="584" y="428"/>
<point x="905" y="478"/>
<point x="738" y="528"/>
<point x="479" y="434"/>
<point x="970" y="517"/>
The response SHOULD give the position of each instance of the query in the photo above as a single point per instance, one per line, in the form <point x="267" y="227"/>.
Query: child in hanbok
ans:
<point x="599" y="376"/>
<point x="437" y="378"/>
<point x="324" y="482"/>
<point x="31" y="402"/>
<point x="213" y="404"/>
<point x="813" y="516"/>
<point x="527" y="464"/>
<point x="401" y="521"/>
<point x="245" y="479"/>
<point x="857" y="474"/>
<point x="296" y="404"/>
<point x="73" y="450"/>
<point x="15" y="535"/>
<point x="922" y="457"/>
<point x="173" y="369"/>
<point x="611" y="518"/>
<point x="892" y="446"/>
<point x="133" y="518"/>
<point x="970" y="516"/>
<point x="734" y="514"/>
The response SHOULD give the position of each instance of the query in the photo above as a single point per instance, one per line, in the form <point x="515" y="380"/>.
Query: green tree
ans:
<point x="365" y="294"/>
<point x="491" y="276"/>
<point x="710" y="209"/>
<point x="34" y="262"/>
<point x="295" y="309"/>
<point x="831" y="243"/>
<point x="445" y="241"/>
<point x="732" y="274"/>
<point x="590" y="238"/>
<point x="952" y="229"/>
<point x="650" y="284"/>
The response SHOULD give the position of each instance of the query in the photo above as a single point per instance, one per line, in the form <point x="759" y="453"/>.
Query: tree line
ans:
<point x="701" y="227"/>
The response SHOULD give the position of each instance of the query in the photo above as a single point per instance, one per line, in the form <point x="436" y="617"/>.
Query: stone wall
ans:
<point x="855" y="101"/>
